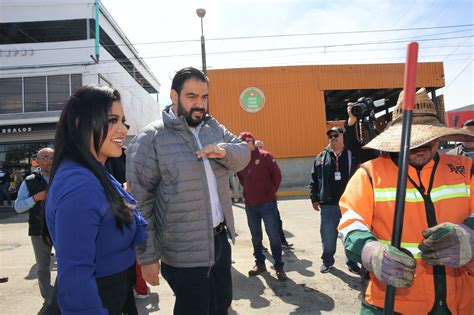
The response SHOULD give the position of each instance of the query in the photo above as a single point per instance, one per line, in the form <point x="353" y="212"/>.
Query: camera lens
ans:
<point x="358" y="110"/>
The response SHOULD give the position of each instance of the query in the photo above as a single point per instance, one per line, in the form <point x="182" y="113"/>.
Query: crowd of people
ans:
<point x="119" y="217"/>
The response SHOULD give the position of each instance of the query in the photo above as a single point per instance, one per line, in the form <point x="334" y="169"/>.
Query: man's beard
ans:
<point x="189" y="115"/>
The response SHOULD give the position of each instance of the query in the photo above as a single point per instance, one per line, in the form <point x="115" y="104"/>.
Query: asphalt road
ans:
<point x="307" y="291"/>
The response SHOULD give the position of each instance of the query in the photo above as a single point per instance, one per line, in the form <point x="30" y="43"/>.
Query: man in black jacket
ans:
<point x="331" y="171"/>
<point x="31" y="196"/>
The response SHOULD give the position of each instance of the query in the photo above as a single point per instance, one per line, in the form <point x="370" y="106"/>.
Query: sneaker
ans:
<point x="354" y="268"/>
<point x="325" y="269"/>
<point x="141" y="296"/>
<point x="281" y="275"/>
<point x="257" y="269"/>
<point x="286" y="245"/>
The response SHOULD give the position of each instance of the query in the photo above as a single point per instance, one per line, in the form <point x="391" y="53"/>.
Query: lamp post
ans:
<point x="201" y="13"/>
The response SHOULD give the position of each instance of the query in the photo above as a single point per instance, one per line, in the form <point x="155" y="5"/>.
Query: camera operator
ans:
<point x="353" y="141"/>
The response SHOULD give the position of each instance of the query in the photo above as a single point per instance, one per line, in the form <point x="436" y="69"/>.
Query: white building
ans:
<point x="48" y="48"/>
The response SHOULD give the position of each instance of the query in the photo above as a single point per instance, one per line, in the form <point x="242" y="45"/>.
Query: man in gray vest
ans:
<point x="178" y="170"/>
<point x="331" y="171"/>
<point x="31" y="196"/>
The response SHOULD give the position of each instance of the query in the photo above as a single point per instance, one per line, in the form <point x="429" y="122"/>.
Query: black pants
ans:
<point x="116" y="294"/>
<point x="203" y="290"/>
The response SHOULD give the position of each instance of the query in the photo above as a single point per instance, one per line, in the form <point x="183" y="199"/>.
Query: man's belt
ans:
<point x="218" y="229"/>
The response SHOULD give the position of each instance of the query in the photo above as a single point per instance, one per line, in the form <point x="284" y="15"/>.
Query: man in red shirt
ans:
<point x="260" y="180"/>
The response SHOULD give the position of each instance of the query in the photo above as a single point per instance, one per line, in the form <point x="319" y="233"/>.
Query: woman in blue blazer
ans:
<point x="91" y="219"/>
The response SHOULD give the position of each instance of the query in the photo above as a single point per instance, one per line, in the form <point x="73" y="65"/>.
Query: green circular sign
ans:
<point x="252" y="99"/>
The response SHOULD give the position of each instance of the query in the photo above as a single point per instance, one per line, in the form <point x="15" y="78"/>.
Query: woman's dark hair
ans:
<point x="86" y="115"/>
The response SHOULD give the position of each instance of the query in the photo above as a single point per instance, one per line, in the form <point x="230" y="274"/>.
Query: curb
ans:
<point x="290" y="193"/>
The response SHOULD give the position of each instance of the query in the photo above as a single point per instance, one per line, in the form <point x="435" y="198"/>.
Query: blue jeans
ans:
<point x="330" y="217"/>
<point x="269" y="213"/>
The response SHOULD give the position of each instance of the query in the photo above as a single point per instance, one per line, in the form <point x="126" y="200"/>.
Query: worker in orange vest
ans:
<point x="434" y="270"/>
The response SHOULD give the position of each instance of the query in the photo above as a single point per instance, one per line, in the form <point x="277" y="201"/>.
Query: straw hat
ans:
<point x="425" y="127"/>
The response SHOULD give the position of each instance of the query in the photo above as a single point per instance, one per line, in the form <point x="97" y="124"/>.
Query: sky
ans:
<point x="263" y="33"/>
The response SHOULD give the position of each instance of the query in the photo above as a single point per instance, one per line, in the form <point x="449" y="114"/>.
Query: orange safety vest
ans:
<point x="368" y="203"/>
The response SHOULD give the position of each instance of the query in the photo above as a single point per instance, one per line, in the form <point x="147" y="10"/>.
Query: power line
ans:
<point x="327" y="60"/>
<point x="426" y="12"/>
<point x="82" y="66"/>
<point x="263" y="36"/>
<point x="458" y="75"/>
<point x="247" y="51"/>
<point x="404" y="14"/>
<point x="457" y="47"/>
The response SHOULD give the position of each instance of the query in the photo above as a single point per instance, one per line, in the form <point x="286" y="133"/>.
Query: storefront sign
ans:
<point x="16" y="129"/>
<point x="16" y="52"/>
<point x="252" y="99"/>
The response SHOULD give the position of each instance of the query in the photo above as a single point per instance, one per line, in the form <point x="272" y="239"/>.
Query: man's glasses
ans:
<point x="46" y="158"/>
<point x="335" y="136"/>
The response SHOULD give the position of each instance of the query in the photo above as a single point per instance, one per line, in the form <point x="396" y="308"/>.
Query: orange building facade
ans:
<point x="292" y="122"/>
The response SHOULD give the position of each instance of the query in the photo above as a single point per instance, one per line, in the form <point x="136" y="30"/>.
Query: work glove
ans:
<point x="448" y="244"/>
<point x="390" y="265"/>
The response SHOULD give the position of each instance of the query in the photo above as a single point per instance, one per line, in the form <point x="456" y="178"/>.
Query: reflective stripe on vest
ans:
<point x="412" y="195"/>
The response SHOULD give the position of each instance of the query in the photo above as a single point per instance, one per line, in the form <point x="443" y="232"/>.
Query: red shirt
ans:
<point x="261" y="178"/>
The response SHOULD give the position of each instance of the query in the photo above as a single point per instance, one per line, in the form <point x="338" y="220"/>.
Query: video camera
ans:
<point x="364" y="111"/>
<point x="363" y="107"/>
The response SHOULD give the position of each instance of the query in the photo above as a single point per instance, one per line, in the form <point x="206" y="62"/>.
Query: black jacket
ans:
<point x="320" y="188"/>
<point x="351" y="143"/>
<point x="35" y="183"/>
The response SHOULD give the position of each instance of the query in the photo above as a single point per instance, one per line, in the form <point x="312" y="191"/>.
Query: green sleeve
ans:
<point x="469" y="222"/>
<point x="354" y="243"/>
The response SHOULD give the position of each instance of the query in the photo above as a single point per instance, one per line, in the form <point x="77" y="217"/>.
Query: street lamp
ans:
<point x="201" y="13"/>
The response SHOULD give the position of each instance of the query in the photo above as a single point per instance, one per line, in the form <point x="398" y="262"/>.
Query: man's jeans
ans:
<point x="330" y="217"/>
<point x="269" y="213"/>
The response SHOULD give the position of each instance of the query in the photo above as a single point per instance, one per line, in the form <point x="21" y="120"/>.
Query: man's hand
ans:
<point x="316" y="206"/>
<point x="211" y="151"/>
<point x="390" y="265"/>
<point x="448" y="244"/>
<point x="352" y="119"/>
<point x="151" y="273"/>
<point x="40" y="196"/>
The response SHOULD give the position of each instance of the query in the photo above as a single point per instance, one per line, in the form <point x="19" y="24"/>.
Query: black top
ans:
<point x="352" y="144"/>
<point x="35" y="184"/>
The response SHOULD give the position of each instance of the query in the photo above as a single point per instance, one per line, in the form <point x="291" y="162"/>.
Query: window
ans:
<point x="11" y="96"/>
<point x="76" y="82"/>
<point x="58" y="91"/>
<point x="35" y="94"/>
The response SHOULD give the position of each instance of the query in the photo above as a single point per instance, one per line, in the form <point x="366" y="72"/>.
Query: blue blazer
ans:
<point x="88" y="243"/>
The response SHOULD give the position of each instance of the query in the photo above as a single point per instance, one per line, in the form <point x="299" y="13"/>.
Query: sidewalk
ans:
<point x="307" y="291"/>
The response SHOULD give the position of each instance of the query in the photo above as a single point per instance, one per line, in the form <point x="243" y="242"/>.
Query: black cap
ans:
<point x="335" y="129"/>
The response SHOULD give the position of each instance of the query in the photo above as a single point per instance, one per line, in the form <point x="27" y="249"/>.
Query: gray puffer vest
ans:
<point x="171" y="186"/>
